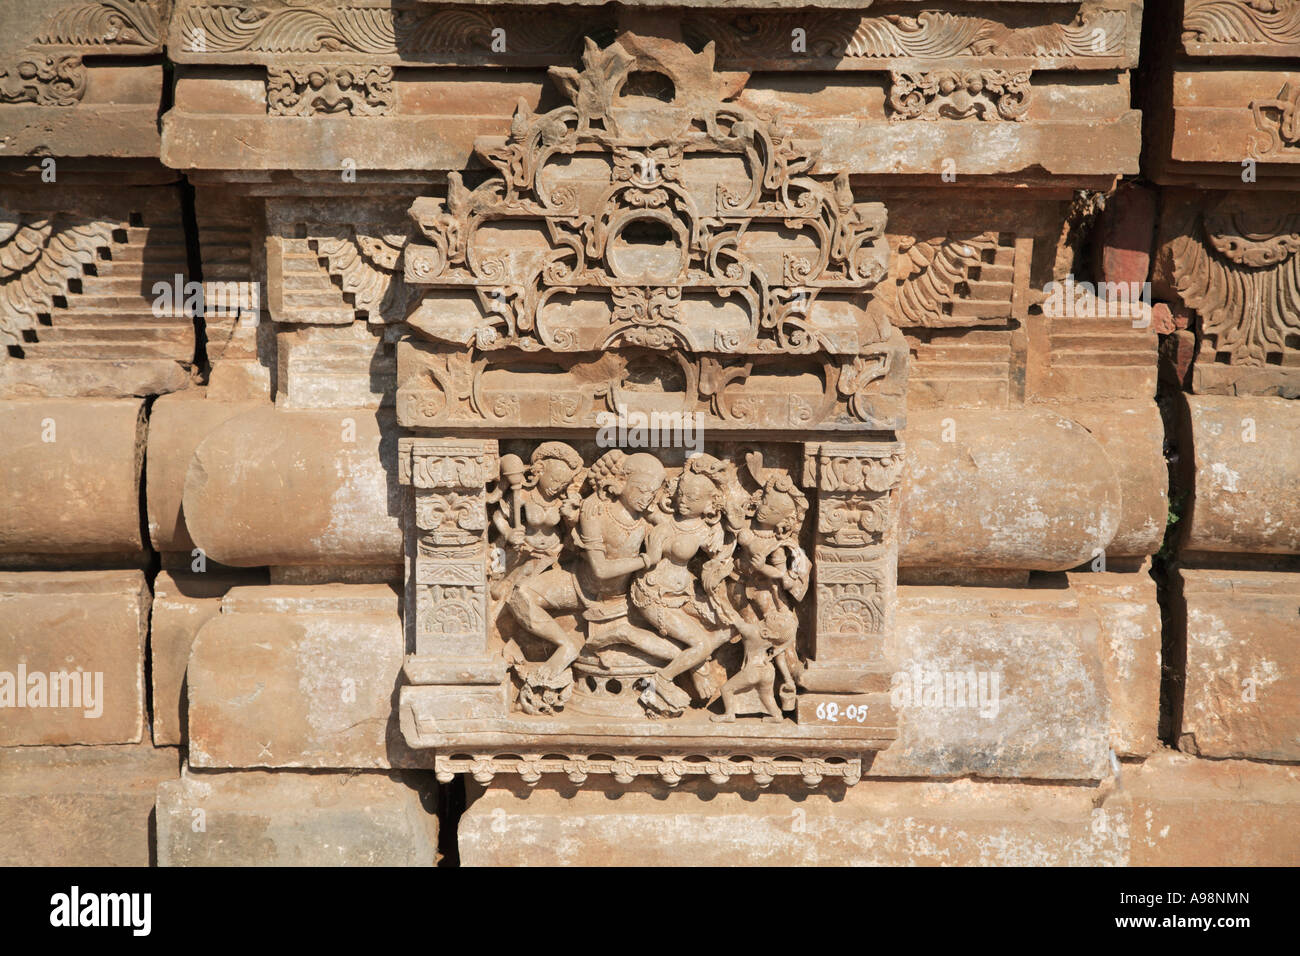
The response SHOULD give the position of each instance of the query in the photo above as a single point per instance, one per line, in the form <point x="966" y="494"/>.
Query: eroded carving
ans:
<point x="39" y="257"/>
<point x="327" y="90"/>
<point x="1242" y="21"/>
<point x="56" y="80"/>
<point x="109" y="23"/>
<point x="960" y="94"/>
<point x="1279" y="120"/>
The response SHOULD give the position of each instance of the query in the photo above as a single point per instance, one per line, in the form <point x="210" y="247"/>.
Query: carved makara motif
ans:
<point x="326" y="90"/>
<point x="1241" y="273"/>
<point x="55" y="80"/>
<point x="39" y="257"/>
<point x="960" y="94"/>
<point x="684" y="221"/>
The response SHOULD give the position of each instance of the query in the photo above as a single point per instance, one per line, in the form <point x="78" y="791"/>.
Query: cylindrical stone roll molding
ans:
<point x="1133" y="435"/>
<point x="1247" y="474"/>
<point x="177" y="424"/>
<point x="1022" y="489"/>
<point x="70" y="477"/>
<point x="276" y="487"/>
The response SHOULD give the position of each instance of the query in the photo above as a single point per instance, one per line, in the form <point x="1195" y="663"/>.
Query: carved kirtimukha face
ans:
<point x="645" y="476"/>
<point x="694" y="495"/>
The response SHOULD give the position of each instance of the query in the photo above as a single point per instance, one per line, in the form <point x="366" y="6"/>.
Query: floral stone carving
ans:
<point x="625" y="219"/>
<point x="591" y="599"/>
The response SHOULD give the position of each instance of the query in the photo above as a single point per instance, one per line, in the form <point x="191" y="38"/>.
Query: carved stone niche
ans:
<point x="650" y="405"/>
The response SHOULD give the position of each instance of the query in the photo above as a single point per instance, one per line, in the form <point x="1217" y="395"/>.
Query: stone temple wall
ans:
<point x="650" y="433"/>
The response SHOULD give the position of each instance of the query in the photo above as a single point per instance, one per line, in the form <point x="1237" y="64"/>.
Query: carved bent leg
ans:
<point x="530" y="603"/>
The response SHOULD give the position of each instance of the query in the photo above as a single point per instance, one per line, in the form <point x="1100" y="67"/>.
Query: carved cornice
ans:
<point x="960" y="94"/>
<point x="1254" y="27"/>
<point x="113" y="24"/>
<point x="55" y="80"/>
<point x="431" y="34"/>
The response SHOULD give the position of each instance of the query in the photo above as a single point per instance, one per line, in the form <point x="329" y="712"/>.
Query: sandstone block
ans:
<point x="1129" y="644"/>
<point x="997" y="489"/>
<point x="80" y="806"/>
<point x="70" y="478"/>
<point x="1242" y="693"/>
<point x="295" y="819"/>
<point x="1132" y="434"/>
<point x="72" y="649"/>
<point x="298" y="676"/>
<point x="182" y="604"/>
<point x="296" y="487"/>
<point x="1190" y="812"/>
<point x="876" y="823"/>
<point x="1247" y="470"/>
<point x="996" y="682"/>
<point x="177" y="424"/>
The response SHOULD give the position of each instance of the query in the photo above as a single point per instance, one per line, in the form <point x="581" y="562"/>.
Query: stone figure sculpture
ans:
<point x="647" y="562"/>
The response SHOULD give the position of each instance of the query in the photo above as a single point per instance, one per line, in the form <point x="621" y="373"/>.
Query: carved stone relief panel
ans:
<point x="604" y="585"/>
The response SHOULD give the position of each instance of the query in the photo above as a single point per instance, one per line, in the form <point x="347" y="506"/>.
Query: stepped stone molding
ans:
<point x="39" y="258"/>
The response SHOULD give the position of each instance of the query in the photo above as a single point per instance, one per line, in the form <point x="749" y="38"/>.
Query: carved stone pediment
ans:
<point x="651" y="211"/>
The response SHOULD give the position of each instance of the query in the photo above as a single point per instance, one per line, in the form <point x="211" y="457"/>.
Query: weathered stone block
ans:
<point x="298" y="676"/>
<point x="72" y="647"/>
<point x="177" y="424"/>
<point x="1005" y="489"/>
<point x="295" y="819"/>
<point x="876" y="823"/>
<point x="1242" y="684"/>
<point x="1190" y="812"/>
<point x="70" y="479"/>
<point x="996" y="682"/>
<point x="80" y="806"/>
<point x="1129" y="644"/>
<point x="296" y="487"/>
<point x="182" y="604"/>
<point x="1246" y="474"/>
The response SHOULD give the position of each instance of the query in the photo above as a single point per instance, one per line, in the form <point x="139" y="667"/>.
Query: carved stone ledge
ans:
<point x="1241" y="27"/>
<point x="670" y="769"/>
